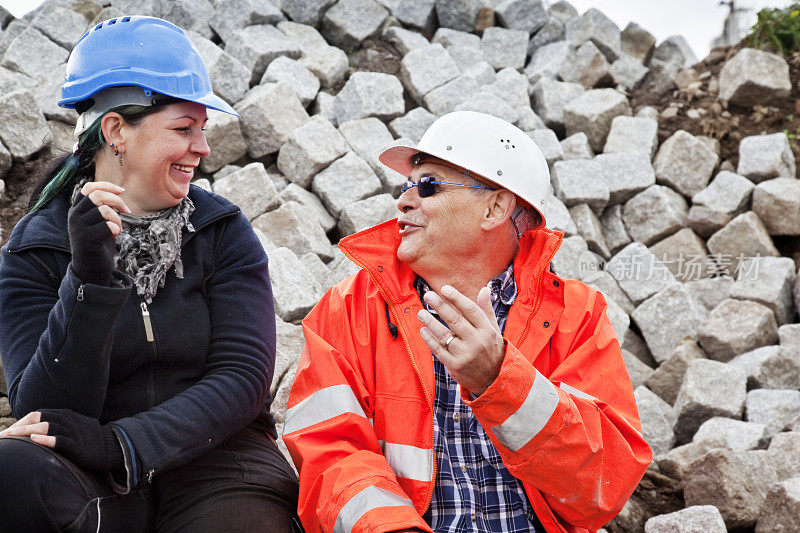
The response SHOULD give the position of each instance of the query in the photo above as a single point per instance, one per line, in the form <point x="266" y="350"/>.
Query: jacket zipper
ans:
<point x="148" y="330"/>
<point x="416" y="369"/>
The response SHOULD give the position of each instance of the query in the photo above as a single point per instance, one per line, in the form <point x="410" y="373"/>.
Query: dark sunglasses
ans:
<point x="426" y="186"/>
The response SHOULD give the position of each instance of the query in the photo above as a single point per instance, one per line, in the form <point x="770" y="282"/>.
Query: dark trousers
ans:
<point x="242" y="485"/>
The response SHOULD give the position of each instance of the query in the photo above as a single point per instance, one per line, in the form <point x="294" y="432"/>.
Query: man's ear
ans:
<point x="498" y="209"/>
<point x="114" y="128"/>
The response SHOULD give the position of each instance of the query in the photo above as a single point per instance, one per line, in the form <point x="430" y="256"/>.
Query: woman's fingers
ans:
<point x="28" y="430"/>
<point x="101" y="197"/>
<point x="91" y="186"/>
<point x="44" y="440"/>
<point x="112" y="219"/>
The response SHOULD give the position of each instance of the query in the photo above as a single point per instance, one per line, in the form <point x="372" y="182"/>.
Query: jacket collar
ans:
<point x="47" y="227"/>
<point x="375" y="250"/>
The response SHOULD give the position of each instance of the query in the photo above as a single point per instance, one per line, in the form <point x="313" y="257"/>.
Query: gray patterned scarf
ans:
<point x="149" y="246"/>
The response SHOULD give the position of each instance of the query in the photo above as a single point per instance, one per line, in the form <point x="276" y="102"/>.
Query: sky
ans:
<point x="699" y="21"/>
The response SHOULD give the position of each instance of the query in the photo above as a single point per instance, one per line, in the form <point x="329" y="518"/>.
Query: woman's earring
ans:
<point x="120" y="159"/>
<point x="116" y="150"/>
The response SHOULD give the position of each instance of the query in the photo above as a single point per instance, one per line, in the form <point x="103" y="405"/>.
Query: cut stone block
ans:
<point x="676" y="50"/>
<point x="594" y="26"/>
<point x="329" y="65"/>
<point x="637" y="42"/>
<point x="489" y="103"/>
<point x="391" y="181"/>
<point x="551" y="32"/>
<point x="667" y="318"/>
<point x="754" y="77"/>
<point x="736" y="435"/>
<point x="632" y="134"/>
<point x="763" y="157"/>
<point x="306" y="11"/>
<point x="445" y="98"/>
<point x="230" y="79"/>
<point x="768" y="367"/>
<point x="295" y="226"/>
<point x="606" y="284"/>
<point x="231" y="15"/>
<point x="293" y="287"/>
<point x="466" y="57"/>
<point x="695" y="519"/>
<point x="705" y="221"/>
<point x="548" y="143"/>
<point x="503" y="47"/>
<point x="419" y="14"/>
<point x="350" y="22"/>
<point x="626" y="174"/>
<point x="323" y="106"/>
<point x="368" y="137"/>
<point x="636" y="345"/>
<point x="588" y="226"/>
<point x="744" y="236"/>
<point x="782" y="452"/>
<point x="566" y="261"/>
<point x="735" y="327"/>
<point x="528" y="119"/>
<point x="370" y="94"/>
<point x="586" y="65"/>
<point x="774" y="408"/>
<point x="628" y="72"/>
<point x="256" y="46"/>
<point x="458" y="14"/>
<point x="366" y="213"/>
<point x="727" y="193"/>
<point x="781" y="508"/>
<point x="768" y="281"/>
<point x="709" y="389"/>
<point x="576" y="146"/>
<point x="736" y="483"/>
<point x="62" y="26"/>
<point x="592" y="113"/>
<point x="405" y="40"/>
<point x="294" y="193"/>
<point x="639" y="273"/>
<point x="614" y="231"/>
<point x="777" y="203"/>
<point x="33" y="54"/>
<point x="424" y="69"/>
<point x="667" y="379"/>
<point x="304" y="83"/>
<point x="546" y="61"/>
<point x="448" y="37"/>
<point x="413" y="124"/>
<point x="224" y="137"/>
<point x="557" y="217"/>
<point x="657" y="419"/>
<point x="684" y="163"/>
<point x="269" y="114"/>
<point x="48" y="95"/>
<point x="22" y="125"/>
<point x="685" y="255"/>
<point x="637" y="370"/>
<point x="250" y="188"/>
<point x="309" y="149"/>
<point x="579" y="181"/>
<point x="512" y="87"/>
<point x="524" y="15"/>
<point x="563" y="11"/>
<point x="790" y="336"/>
<point x="653" y="214"/>
<point x="550" y="97"/>
<point x="677" y="461"/>
<point x="345" y="181"/>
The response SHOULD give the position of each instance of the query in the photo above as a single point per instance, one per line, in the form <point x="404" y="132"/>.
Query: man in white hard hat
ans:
<point x="454" y="383"/>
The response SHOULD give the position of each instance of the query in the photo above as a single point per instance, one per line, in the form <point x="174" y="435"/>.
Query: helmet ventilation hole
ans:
<point x="449" y="147"/>
<point x="499" y="172"/>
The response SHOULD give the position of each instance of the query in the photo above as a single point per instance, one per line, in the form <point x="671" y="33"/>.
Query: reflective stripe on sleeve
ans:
<point x="368" y="499"/>
<point x="324" y="404"/>
<point x="409" y="462"/>
<point x="531" y="417"/>
<point x="569" y="389"/>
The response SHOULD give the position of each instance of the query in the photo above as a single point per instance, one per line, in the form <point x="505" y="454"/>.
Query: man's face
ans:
<point x="441" y="230"/>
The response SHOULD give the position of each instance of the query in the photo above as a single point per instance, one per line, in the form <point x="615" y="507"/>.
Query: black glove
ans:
<point x="83" y="440"/>
<point x="93" y="246"/>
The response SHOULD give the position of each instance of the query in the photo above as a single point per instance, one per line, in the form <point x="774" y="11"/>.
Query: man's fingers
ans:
<point x="436" y="347"/>
<point x="451" y="316"/>
<point x="469" y="309"/>
<point x="438" y="330"/>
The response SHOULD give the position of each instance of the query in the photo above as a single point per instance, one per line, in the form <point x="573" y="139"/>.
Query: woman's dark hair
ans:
<point x="61" y="173"/>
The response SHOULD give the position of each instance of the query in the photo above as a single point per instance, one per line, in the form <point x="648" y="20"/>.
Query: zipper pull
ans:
<point x="80" y="293"/>
<point x="148" y="326"/>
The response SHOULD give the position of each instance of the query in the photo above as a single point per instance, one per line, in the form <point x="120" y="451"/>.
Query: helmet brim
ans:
<point x="213" y="101"/>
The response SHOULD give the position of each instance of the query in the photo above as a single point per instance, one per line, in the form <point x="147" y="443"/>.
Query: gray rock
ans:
<point x="586" y="65"/>
<point x="22" y="126"/>
<point x="735" y="327"/>
<point x="632" y="134"/>
<point x="310" y="148"/>
<point x="489" y="103"/>
<point x="772" y="407"/>
<point x="667" y="318"/>
<point x="294" y="193"/>
<point x="579" y="181"/>
<point x="289" y="340"/>
<point x="361" y="182"/>
<point x="744" y="236"/>
<point x="368" y="137"/>
<point x="226" y="141"/>
<point x="528" y="119"/>
<point x="768" y="367"/>
<point x="458" y="14"/>
<point x="329" y="65"/>
<point x="736" y="435"/>
<point x="637" y="370"/>
<point x="512" y="87"/>
<point x="657" y="419"/>
<point x="525" y="15"/>
<point x="11" y="81"/>
<point x="306" y="37"/>
<point x="424" y="69"/>
<point x="777" y="203"/>
<point x="550" y="97"/>
<point x="548" y="143"/>
<point x="466" y="56"/>
<point x="189" y="14"/>
<point x="781" y="509"/>
<point x="754" y="77"/>
<point x="48" y="95"/>
<point x="706" y="221"/>
<point x="626" y="174"/>
<point x="270" y="113"/>
<point x="614" y="231"/>
<point x="204" y="184"/>
<point x="676" y="50"/>
<point x="370" y="94"/>
<point x="576" y="146"/>
<point x="391" y="181"/>
<point x="639" y="273"/>
<point x="295" y="226"/>
<point x="648" y="112"/>
<point x="256" y="46"/>
<point x="405" y="40"/>
<point x="341" y="268"/>
<point x="349" y="22"/>
<point x="304" y="83"/>
<point x="413" y="124"/>
<point x="637" y="42"/>
<point x="482" y="72"/>
<point x="728" y="193"/>
<point x="566" y="261"/>
<point x="546" y="61"/>
<point x="14" y="28"/>
<point x="592" y="113"/>
<point x="636" y="345"/>
<point x="588" y="226"/>
<point x="504" y="48"/>
<point x="62" y="26"/>
<point x="694" y="519"/>
<point x="789" y="335"/>
<point x="709" y="389"/>
<point x="232" y="15"/>
<point x="293" y="287"/>
<point x="323" y="106"/>
<point x="762" y="157"/>
<point x="782" y="452"/>
<point x="552" y="31"/>
<point x="685" y="255"/>
<point x="419" y="14"/>
<point x="306" y="11"/>
<point x="563" y="11"/>
<point x="628" y="72"/>
<point x="250" y="188"/>
<point x="594" y="26"/>
<point x="768" y="281"/>
<point x="366" y="213"/>
<point x="557" y="217"/>
<point x="33" y="54"/>
<point x="653" y="214"/>
<point x="230" y="79"/>
<point x="448" y="37"/>
<point x="315" y="266"/>
<point x="678" y="460"/>
<point x="667" y="379"/>
<point x="606" y="284"/>
<point x="684" y="163"/>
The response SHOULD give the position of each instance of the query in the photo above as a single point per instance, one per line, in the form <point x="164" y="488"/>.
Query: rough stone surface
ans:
<point x="445" y="98"/>
<point x="789" y="335"/>
<point x="653" y="214"/>
<point x="548" y="143"/>
<point x="528" y="119"/>
<point x="503" y="47"/>
<point x="557" y="217"/>
<point x="224" y="137"/>
<point x="512" y="87"/>
<point x="329" y="65"/>
<point x="783" y="454"/>
<point x="614" y="231"/>
<point x="33" y="54"/>
<point x="705" y="221"/>
<point x="709" y="389"/>
<point x="550" y="97"/>
<point x="632" y="134"/>
<point x="684" y="163"/>
<point x="594" y="26"/>
<point x="369" y="94"/>
<point x="368" y="137"/>
<point x="524" y="15"/>
<point x="639" y="273"/>
<point x="310" y="148"/>
<point x="774" y="408"/>
<point x="291" y="226"/>
<point x="668" y="377"/>
<point x="424" y="69"/>
<point x="685" y="255"/>
<point x="551" y="32"/>
<point x="763" y="157"/>
<point x="735" y="327"/>
<point x="626" y="174"/>
<point x="405" y="40"/>
<point x="63" y="26"/>
<point x="606" y="284"/>
<point x="676" y="50"/>
<point x="744" y="236"/>
<point x="592" y="113"/>
<point x="694" y="519"/>
<point x="270" y="113"/>
<point x="780" y="512"/>
<point x="391" y="181"/>
<point x="736" y="435"/>
<point x="489" y="103"/>
<point x="638" y="371"/>
<point x="586" y="65"/>
<point x="657" y="419"/>
<point x="294" y="193"/>
<point x="754" y="77"/>
<point x="576" y="146"/>
<point x="304" y="83"/>
<point x="628" y="72"/>
<point x="230" y="79"/>
<point x="250" y="188"/>
<point x="231" y="15"/>
<point x="777" y="204"/>
<point x="413" y="124"/>
<point x="365" y="213"/>
<point x="449" y="37"/>
<point x="345" y="181"/>
<point x="419" y="14"/>
<point x="293" y="287"/>
<point x="678" y="460"/>
<point x="566" y="262"/>
<point x="769" y="367"/>
<point x="458" y="14"/>
<point x="578" y="181"/>
<point x="306" y="11"/>
<point x="588" y="226"/>
<point x="637" y="42"/>
<point x="768" y="281"/>
<point x="22" y="125"/>
<point x="256" y="46"/>
<point x="728" y="193"/>
<point x="349" y="22"/>
<point x="546" y="61"/>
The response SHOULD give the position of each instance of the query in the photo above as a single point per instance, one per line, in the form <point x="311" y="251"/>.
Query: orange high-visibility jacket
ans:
<point x="561" y="413"/>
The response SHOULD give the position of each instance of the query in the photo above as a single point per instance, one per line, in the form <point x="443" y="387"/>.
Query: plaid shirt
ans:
<point x="473" y="491"/>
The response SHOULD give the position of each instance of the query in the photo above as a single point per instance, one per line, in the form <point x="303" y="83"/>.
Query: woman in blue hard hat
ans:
<point x="137" y="326"/>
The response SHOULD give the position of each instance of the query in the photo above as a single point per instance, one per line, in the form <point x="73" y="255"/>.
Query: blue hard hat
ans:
<point x="138" y="51"/>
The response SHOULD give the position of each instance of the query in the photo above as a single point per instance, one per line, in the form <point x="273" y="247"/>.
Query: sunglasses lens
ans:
<point x="426" y="187"/>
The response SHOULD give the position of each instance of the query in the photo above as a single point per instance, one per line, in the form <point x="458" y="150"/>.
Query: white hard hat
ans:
<point x="499" y="152"/>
